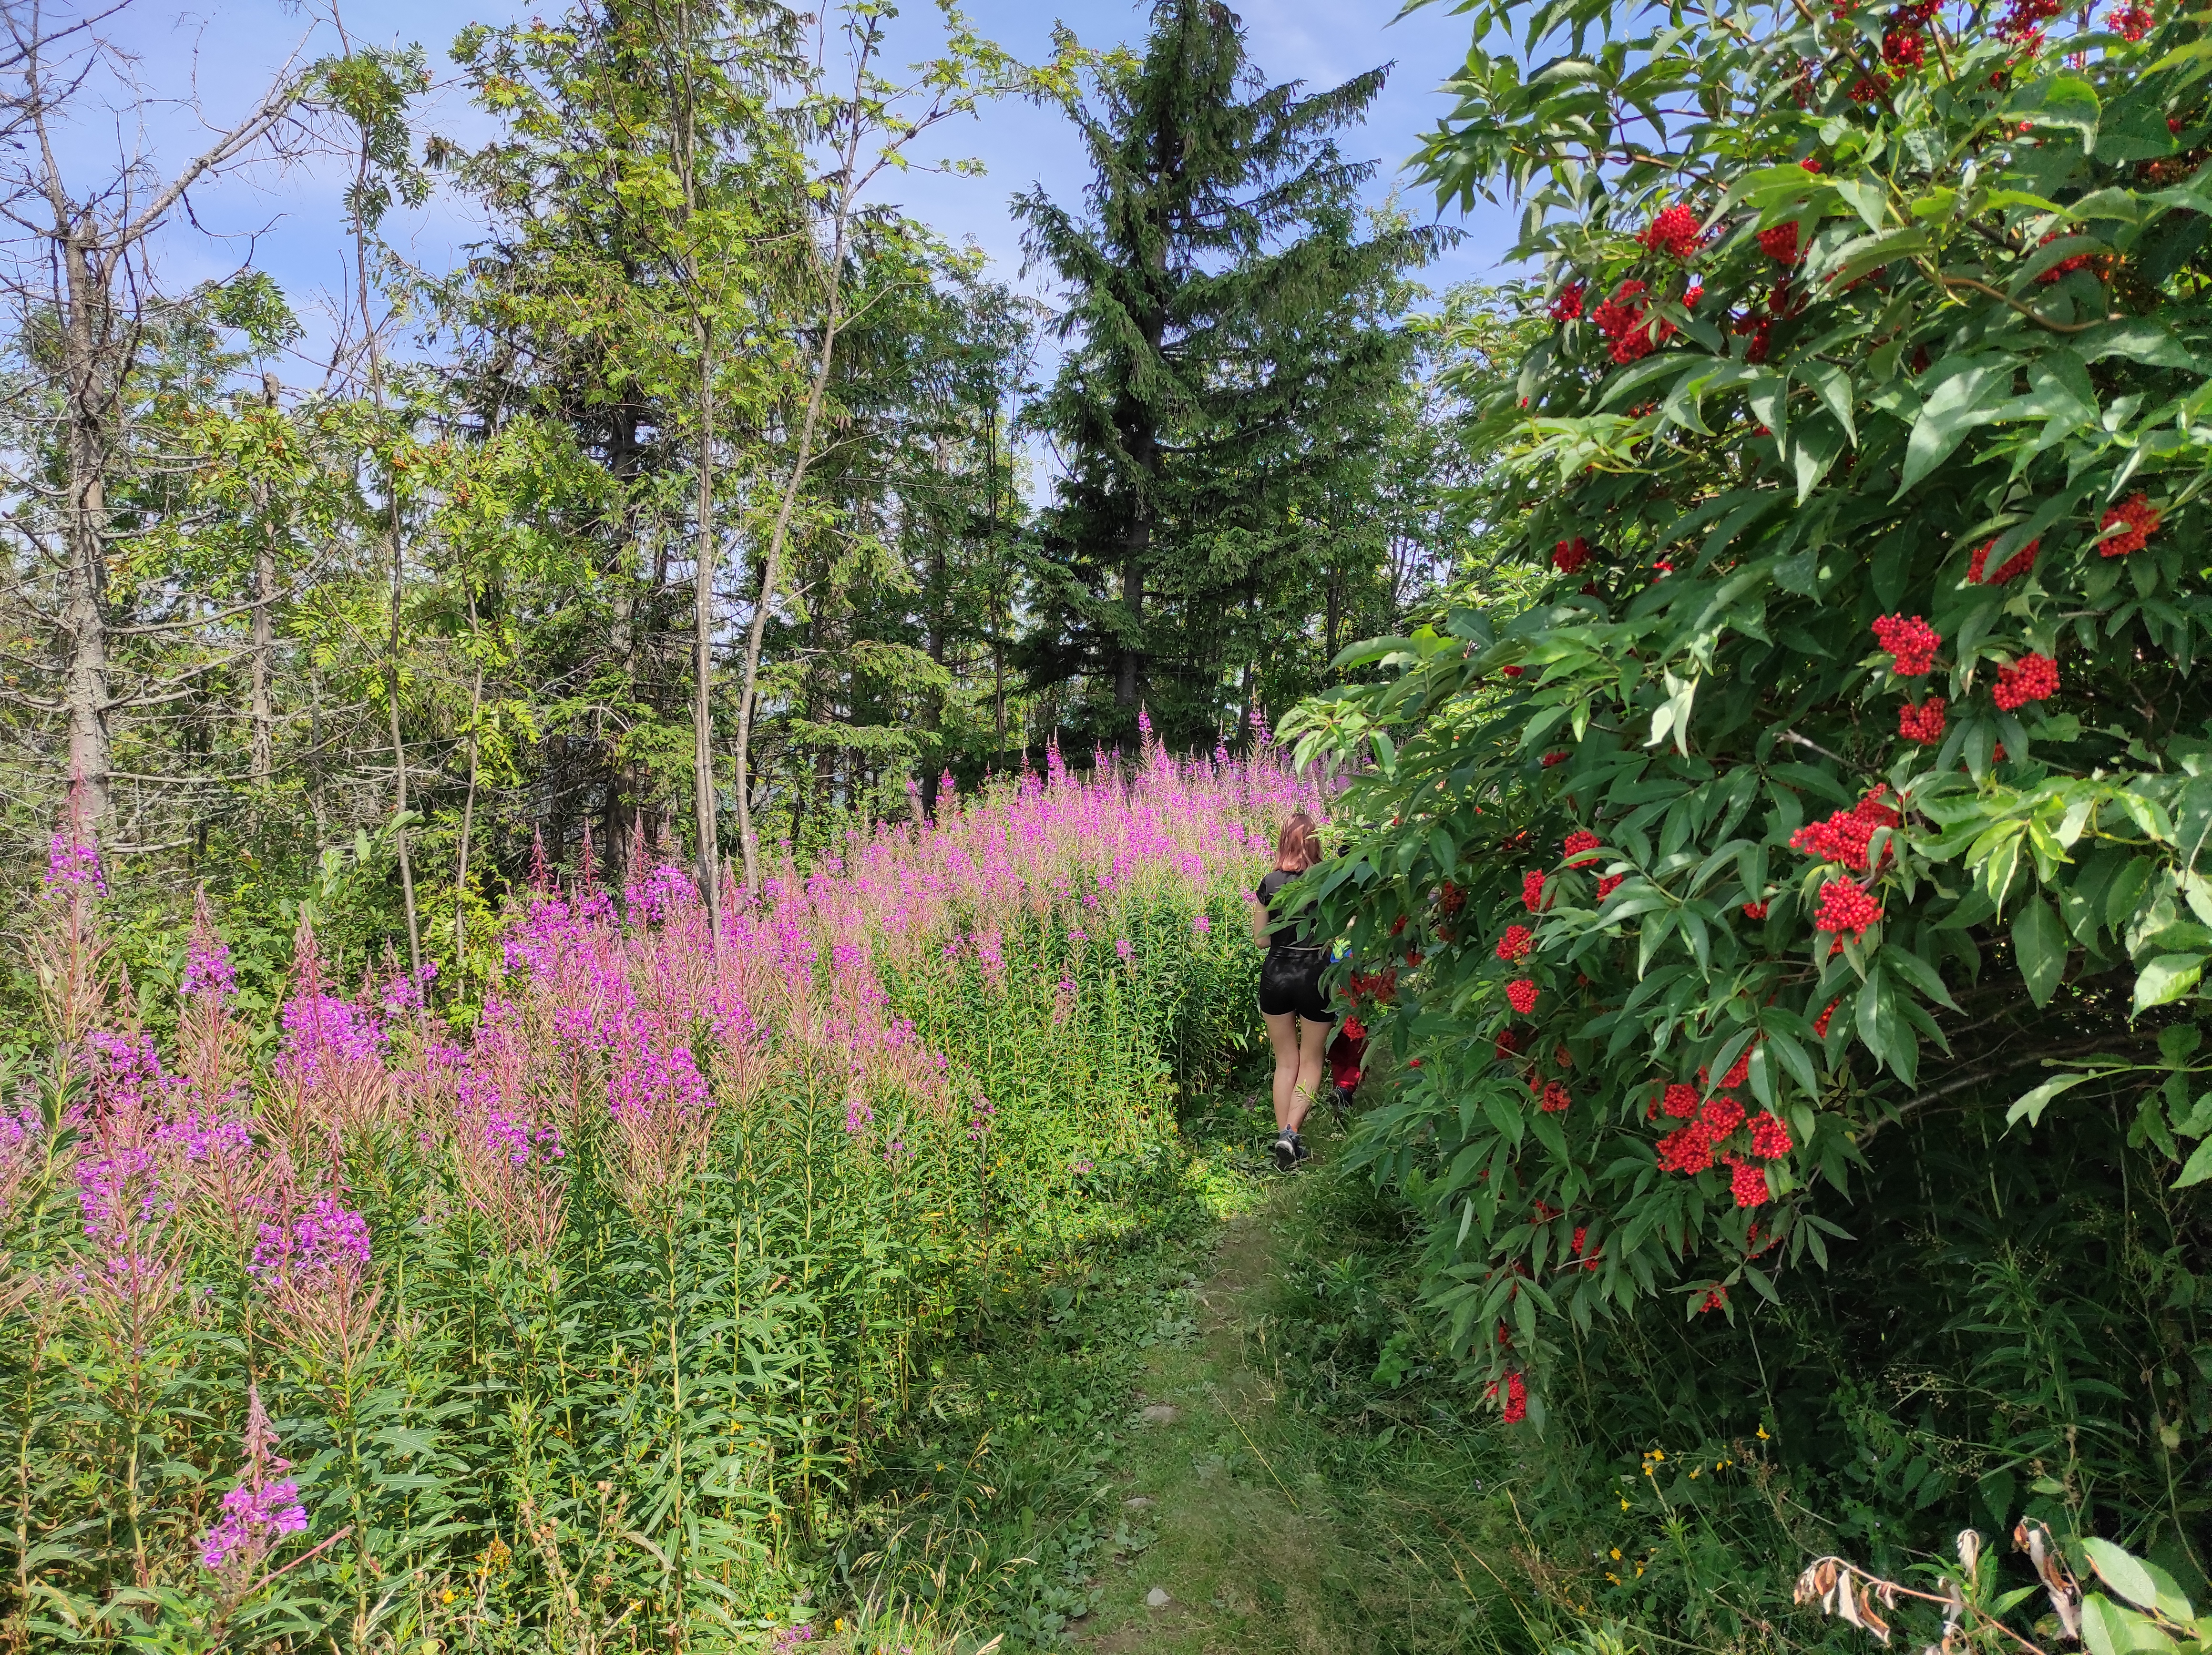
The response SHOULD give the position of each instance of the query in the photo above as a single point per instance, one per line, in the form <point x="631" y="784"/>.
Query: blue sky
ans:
<point x="204" y="63"/>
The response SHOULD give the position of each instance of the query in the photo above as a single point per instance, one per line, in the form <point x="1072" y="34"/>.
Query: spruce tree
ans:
<point x="1230" y="341"/>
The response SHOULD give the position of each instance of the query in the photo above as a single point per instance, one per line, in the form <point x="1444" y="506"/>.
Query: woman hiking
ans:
<point x="1292" y="1001"/>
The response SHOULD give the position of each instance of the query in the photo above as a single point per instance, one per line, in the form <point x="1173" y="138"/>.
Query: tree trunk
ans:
<point x="703" y="661"/>
<point x="261" y="710"/>
<point x="84" y="684"/>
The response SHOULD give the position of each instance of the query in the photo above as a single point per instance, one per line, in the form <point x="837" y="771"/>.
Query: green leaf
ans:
<point x="2031" y="1106"/>
<point x="2144" y="1584"/>
<point x="2198" y="1167"/>
<point x="1967" y="396"/>
<point x="2038" y="943"/>
<point x="2166" y="979"/>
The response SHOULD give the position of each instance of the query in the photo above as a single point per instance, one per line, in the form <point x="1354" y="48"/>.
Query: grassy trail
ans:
<point x="1188" y="1450"/>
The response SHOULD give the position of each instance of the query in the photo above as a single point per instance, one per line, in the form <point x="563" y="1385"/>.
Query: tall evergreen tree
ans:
<point x="1231" y="341"/>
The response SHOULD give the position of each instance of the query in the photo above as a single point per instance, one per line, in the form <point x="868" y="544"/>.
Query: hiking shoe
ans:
<point x="1286" y="1151"/>
<point x="1298" y="1149"/>
<point x="1339" y="1102"/>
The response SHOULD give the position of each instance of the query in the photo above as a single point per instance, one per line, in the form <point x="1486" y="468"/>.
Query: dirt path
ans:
<point x="1225" y="1543"/>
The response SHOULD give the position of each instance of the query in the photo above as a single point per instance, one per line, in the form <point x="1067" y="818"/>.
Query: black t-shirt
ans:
<point x="1296" y="931"/>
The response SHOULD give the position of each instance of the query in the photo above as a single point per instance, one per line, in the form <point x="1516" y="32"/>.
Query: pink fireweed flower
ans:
<point x="1202" y="925"/>
<point x="322" y="1031"/>
<point x="331" y="1240"/>
<point x="205" y="1137"/>
<point x="658" y="894"/>
<point x="520" y="1140"/>
<point x="127" y="1079"/>
<point x="647" y="1078"/>
<point x="119" y="1191"/>
<point x="1121" y="947"/>
<point x="858" y="1117"/>
<point x="404" y="994"/>
<point x="208" y="968"/>
<point x="260" y="1512"/>
<point x="980" y="1119"/>
<point x="73" y="865"/>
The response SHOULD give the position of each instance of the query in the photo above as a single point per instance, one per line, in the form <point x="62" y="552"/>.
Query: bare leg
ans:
<point x="1283" y="1035"/>
<point x="1313" y="1048"/>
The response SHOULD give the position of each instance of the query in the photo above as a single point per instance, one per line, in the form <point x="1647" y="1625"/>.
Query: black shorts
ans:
<point x="1290" y="983"/>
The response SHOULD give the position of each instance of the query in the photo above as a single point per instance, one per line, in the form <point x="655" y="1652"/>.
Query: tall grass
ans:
<point x="574" y="1328"/>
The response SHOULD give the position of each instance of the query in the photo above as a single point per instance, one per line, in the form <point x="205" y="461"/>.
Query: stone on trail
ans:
<point x="1158" y="1598"/>
<point x="1160" y="1413"/>
<point x="1137" y="1502"/>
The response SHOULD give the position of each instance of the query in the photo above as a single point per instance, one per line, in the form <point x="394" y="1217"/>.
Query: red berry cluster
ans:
<point x="1607" y="884"/>
<point x="2031" y="678"/>
<point x="1739" y="1072"/>
<point x="1532" y="891"/>
<point x="1922" y="724"/>
<point x="2011" y="569"/>
<point x="1903" y="50"/>
<point x="1517" y="1399"/>
<point x="1556" y="1098"/>
<point x="2131" y="22"/>
<point x="1844" y="837"/>
<point x="1716" y="1296"/>
<point x="1675" y="233"/>
<point x="1517" y="942"/>
<point x="1520" y="995"/>
<point x="1567" y="305"/>
<point x="1570" y="555"/>
<point x="1911" y="641"/>
<point x="2141" y="518"/>
<point x="1780" y="243"/>
<point x="1576" y="843"/>
<point x="1754" y="911"/>
<point x="1630" y="329"/>
<point x="1379" y="986"/>
<point x="1691" y="1148"/>
<point x="1582" y="1239"/>
<point x="1557" y="758"/>
<point x="1820" y="1023"/>
<point x="2064" y="267"/>
<point x="1770" y="1138"/>
<point x="1747" y="1182"/>
<point x="1846" y="908"/>
<point x="2022" y="23"/>
<point x="1864" y="90"/>
<point x="1512" y="671"/>
<point x="1680" y="1100"/>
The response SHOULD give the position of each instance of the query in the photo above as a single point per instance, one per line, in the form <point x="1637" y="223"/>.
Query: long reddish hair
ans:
<point x="1297" y="847"/>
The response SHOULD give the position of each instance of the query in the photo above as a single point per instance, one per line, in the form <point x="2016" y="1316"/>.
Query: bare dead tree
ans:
<point x="76" y="271"/>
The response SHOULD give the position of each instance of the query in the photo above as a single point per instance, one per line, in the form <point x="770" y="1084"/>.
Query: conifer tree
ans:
<point x="1230" y="334"/>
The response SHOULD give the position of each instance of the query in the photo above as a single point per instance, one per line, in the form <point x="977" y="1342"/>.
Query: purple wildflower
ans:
<point x="208" y="968"/>
<point x="260" y="1512"/>
<point x="332" y="1240"/>
<point x="73" y="864"/>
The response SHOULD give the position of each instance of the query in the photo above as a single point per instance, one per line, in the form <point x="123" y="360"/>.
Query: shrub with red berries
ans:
<point x="1858" y="504"/>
